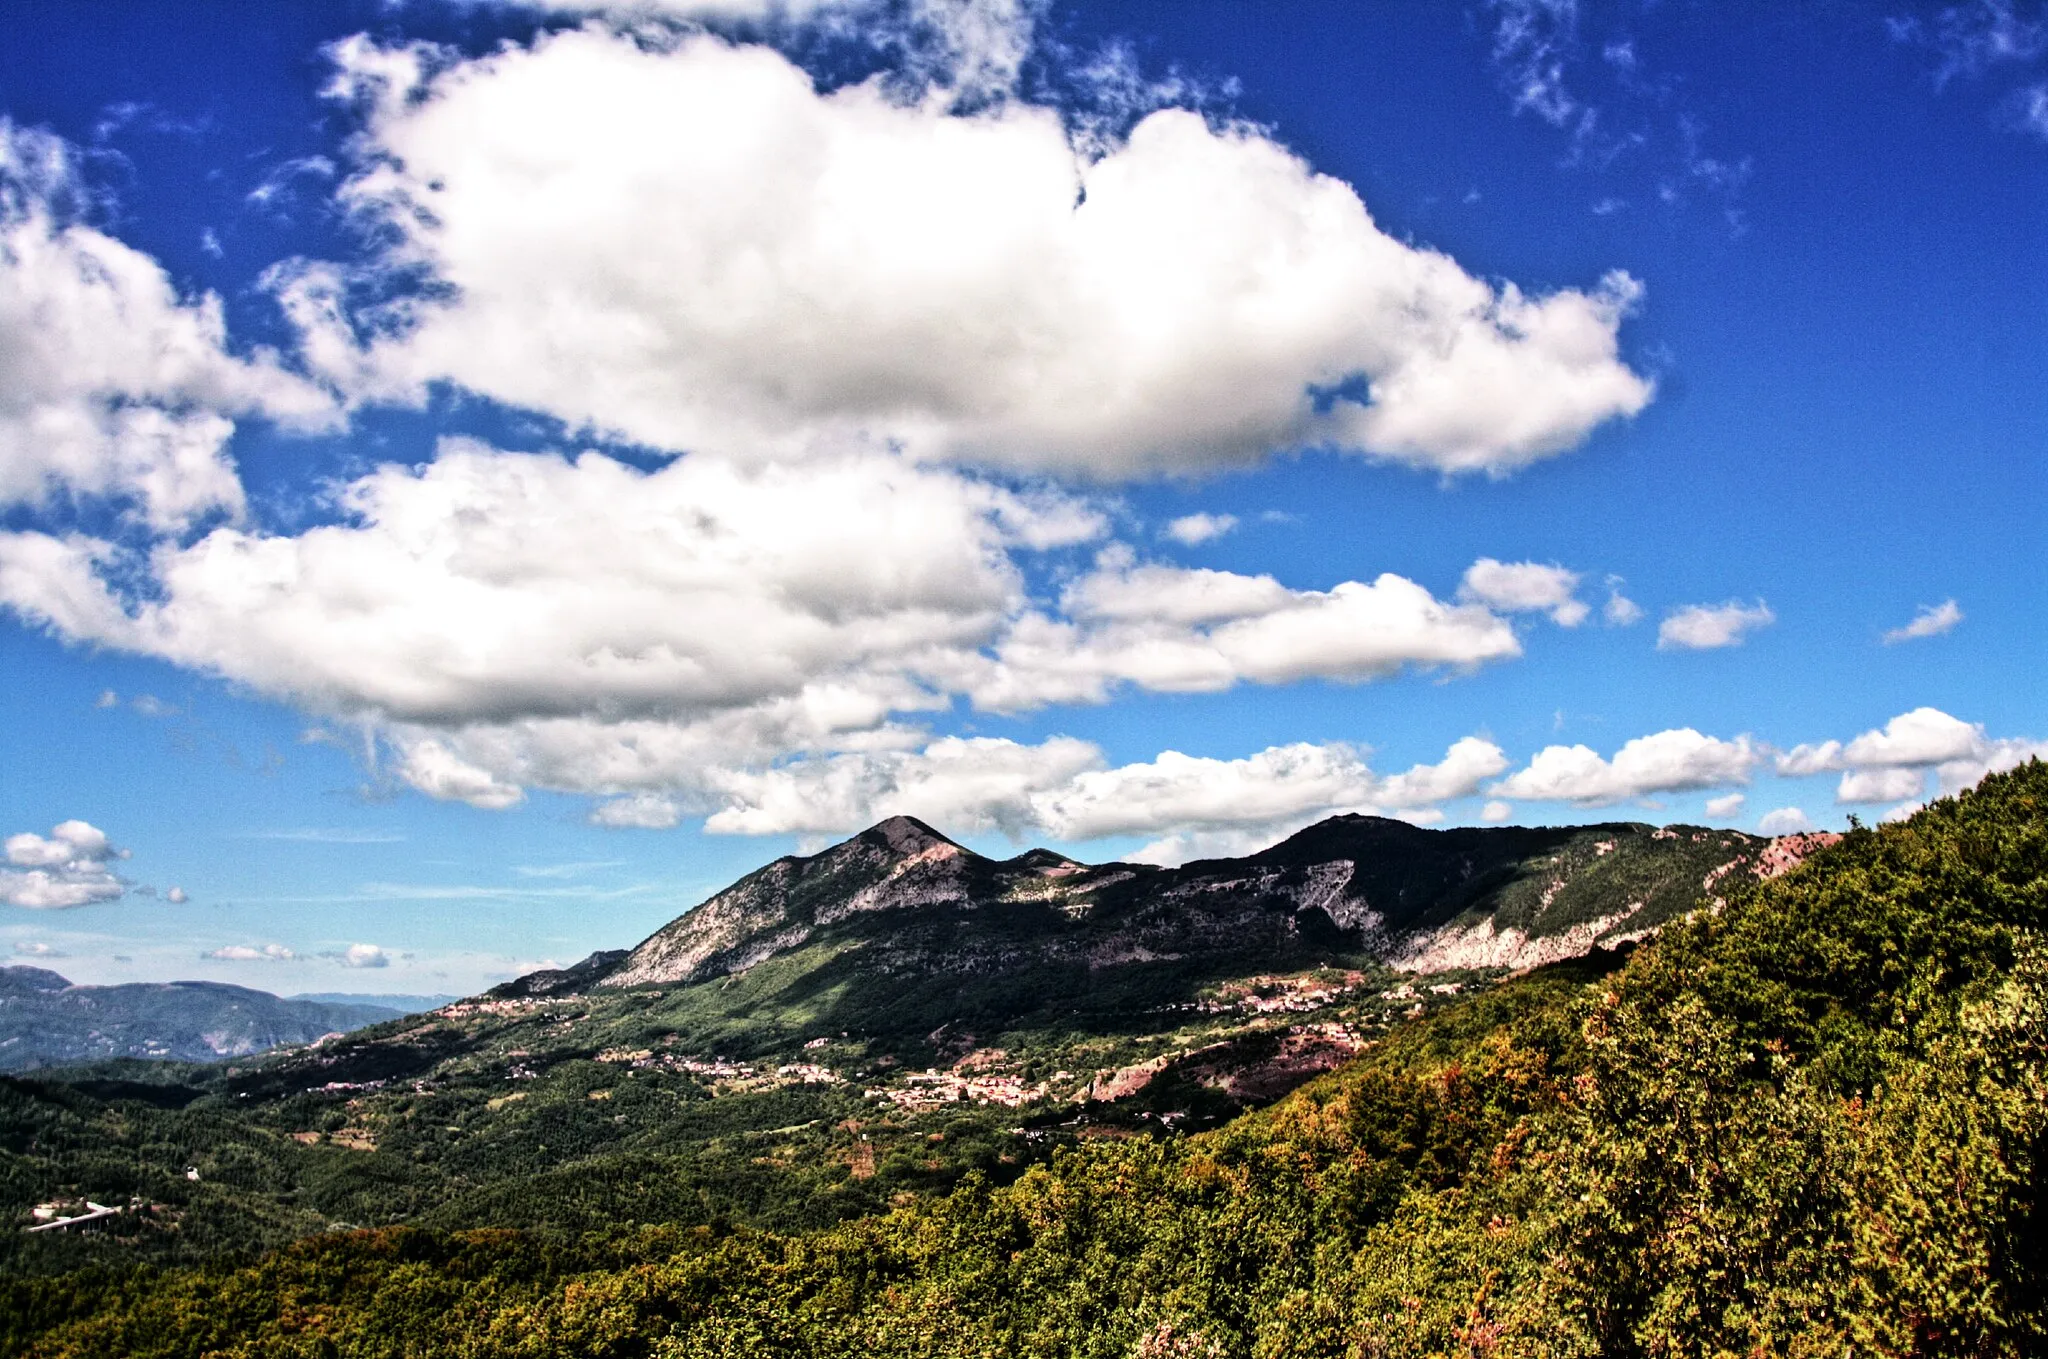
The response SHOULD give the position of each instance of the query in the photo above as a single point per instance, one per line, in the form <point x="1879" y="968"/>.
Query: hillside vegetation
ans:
<point x="835" y="1034"/>
<point x="1810" y="1122"/>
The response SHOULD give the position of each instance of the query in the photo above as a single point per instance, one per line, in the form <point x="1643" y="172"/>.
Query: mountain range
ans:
<point x="47" y="1021"/>
<point x="913" y="905"/>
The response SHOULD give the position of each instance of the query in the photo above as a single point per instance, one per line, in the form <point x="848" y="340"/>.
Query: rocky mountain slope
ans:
<point x="1420" y="900"/>
<point x="46" y="1021"/>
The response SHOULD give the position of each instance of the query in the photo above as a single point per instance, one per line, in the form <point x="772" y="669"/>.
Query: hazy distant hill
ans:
<point x="404" y="1004"/>
<point x="46" y="1021"/>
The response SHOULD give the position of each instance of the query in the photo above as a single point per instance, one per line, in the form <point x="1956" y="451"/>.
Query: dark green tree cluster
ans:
<point x="1811" y="1123"/>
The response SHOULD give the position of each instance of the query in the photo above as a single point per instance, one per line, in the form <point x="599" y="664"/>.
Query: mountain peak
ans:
<point x="907" y="835"/>
<point x="20" y="978"/>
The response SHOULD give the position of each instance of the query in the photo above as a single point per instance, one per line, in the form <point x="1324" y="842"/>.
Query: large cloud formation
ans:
<point x="1667" y="762"/>
<point x="779" y="263"/>
<point x="838" y="308"/>
<point x="1891" y="763"/>
<point x="515" y="620"/>
<point x="1886" y="764"/>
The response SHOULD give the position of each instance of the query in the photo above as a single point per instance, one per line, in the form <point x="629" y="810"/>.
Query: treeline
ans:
<point x="1811" y="1125"/>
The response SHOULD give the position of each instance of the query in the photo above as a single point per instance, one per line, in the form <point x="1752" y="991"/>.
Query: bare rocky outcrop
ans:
<point x="1483" y="944"/>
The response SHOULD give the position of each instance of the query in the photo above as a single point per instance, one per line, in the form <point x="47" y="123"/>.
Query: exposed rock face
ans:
<point x="911" y="900"/>
<point x="899" y="864"/>
<point x="1484" y="944"/>
<point x="1787" y="852"/>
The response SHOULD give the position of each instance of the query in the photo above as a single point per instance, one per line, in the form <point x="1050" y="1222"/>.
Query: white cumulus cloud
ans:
<point x="440" y="773"/>
<point x="1724" y="808"/>
<point x="970" y="48"/>
<point x="1888" y="763"/>
<point x="966" y="783"/>
<point x="783" y="262"/>
<point x="1667" y="762"/>
<point x="505" y="621"/>
<point x="1883" y="784"/>
<point x="492" y="585"/>
<point x="1520" y="587"/>
<point x="1924" y="736"/>
<point x="1808" y="759"/>
<point x="1174" y="629"/>
<point x="365" y="955"/>
<point x="1468" y="763"/>
<point x="67" y="868"/>
<point x="1192" y="530"/>
<point x="1706" y="627"/>
<point x="1783" y="821"/>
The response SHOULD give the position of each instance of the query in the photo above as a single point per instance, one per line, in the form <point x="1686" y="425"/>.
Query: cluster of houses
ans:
<point x="934" y="1089"/>
<point x="737" y="1075"/>
<point x="1278" y="995"/>
<point x="515" y="1005"/>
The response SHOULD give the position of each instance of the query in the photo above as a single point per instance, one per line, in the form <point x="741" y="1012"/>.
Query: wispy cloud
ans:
<point x="324" y="835"/>
<point x="570" y="870"/>
<point x="1533" y="40"/>
<point x="1970" y="39"/>
<point x="1583" y="69"/>
<point x="249" y="953"/>
<point x="2026" y="110"/>
<point x="404" y="891"/>
<point x="1973" y="41"/>
<point x="1932" y="621"/>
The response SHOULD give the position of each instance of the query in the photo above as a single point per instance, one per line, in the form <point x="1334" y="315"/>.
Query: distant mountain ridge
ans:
<point x="45" y="1020"/>
<point x="403" y="1003"/>
<point x="909" y="900"/>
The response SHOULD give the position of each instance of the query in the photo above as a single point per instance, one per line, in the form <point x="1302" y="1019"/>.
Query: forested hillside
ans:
<point x="1808" y="1122"/>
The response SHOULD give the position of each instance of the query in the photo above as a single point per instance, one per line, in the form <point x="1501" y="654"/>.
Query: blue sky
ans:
<point x="476" y="478"/>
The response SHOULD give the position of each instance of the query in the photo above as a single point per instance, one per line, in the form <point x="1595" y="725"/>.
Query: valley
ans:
<point x="1806" y="1119"/>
